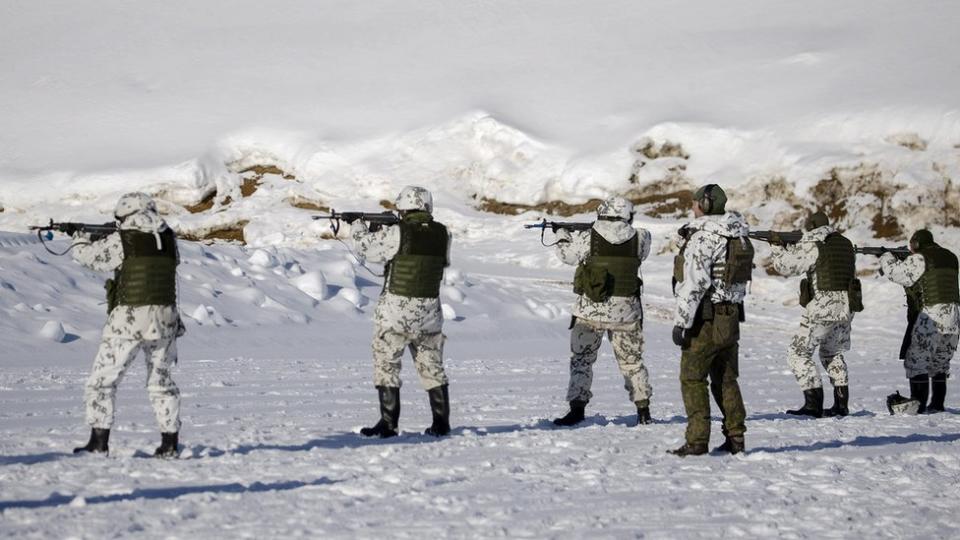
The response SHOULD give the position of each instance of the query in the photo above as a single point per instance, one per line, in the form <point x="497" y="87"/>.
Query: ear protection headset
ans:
<point x="706" y="200"/>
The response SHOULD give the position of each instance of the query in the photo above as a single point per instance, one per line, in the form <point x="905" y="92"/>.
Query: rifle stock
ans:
<point x="901" y="252"/>
<point x="777" y="238"/>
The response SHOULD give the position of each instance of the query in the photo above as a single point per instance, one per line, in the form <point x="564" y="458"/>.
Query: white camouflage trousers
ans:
<point x="930" y="351"/>
<point x="627" y="340"/>
<point x="832" y="338"/>
<point x="113" y="359"/>
<point x="427" y="351"/>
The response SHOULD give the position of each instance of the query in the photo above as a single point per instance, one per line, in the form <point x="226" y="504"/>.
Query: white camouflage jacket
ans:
<point x="106" y="255"/>
<point x="409" y="316"/>
<point x="906" y="273"/>
<point x="573" y="248"/>
<point x="801" y="258"/>
<point x="703" y="248"/>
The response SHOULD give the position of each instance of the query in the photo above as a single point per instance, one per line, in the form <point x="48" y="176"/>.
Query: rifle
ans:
<point x="900" y="253"/>
<point x="557" y="226"/>
<point x="376" y="220"/>
<point x="777" y="238"/>
<point x="96" y="231"/>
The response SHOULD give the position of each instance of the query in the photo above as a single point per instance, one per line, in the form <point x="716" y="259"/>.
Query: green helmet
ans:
<point x="815" y="221"/>
<point x="921" y="239"/>
<point x="711" y="199"/>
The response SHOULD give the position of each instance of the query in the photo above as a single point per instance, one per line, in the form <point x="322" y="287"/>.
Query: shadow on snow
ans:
<point x="861" y="441"/>
<point x="166" y="493"/>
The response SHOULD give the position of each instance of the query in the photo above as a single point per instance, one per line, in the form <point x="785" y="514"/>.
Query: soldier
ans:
<point x="608" y="288"/>
<point x="143" y="316"/>
<point x="408" y="315"/>
<point x="827" y="260"/>
<point x="710" y="275"/>
<point x="931" y="272"/>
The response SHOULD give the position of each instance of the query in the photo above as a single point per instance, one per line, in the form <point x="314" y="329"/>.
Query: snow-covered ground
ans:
<point x="339" y="104"/>
<point x="275" y="375"/>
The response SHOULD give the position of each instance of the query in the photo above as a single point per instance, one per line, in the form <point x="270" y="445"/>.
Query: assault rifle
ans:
<point x="96" y="231"/>
<point x="558" y="226"/>
<point x="375" y="219"/>
<point x="777" y="238"/>
<point x="900" y="253"/>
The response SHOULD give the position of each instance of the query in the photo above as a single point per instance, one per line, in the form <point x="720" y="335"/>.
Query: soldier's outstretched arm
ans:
<point x="104" y="255"/>
<point x="572" y="247"/>
<point x="375" y="246"/>
<point x="794" y="259"/>
<point x="906" y="272"/>
<point x="698" y="262"/>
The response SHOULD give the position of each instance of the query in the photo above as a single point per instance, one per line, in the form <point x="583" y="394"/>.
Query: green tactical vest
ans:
<point x="417" y="269"/>
<point x="609" y="270"/>
<point x="737" y="267"/>
<point x="836" y="263"/>
<point x="147" y="276"/>
<point x="938" y="284"/>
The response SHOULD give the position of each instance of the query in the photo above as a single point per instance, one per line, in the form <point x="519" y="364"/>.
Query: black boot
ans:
<point x="733" y="445"/>
<point x="841" y="400"/>
<point x="389" y="414"/>
<point x="919" y="390"/>
<point x="643" y="413"/>
<point x="169" y="445"/>
<point x="938" y="393"/>
<point x="812" y="404"/>
<point x="689" y="450"/>
<point x="440" y="407"/>
<point x="98" y="442"/>
<point x="575" y="416"/>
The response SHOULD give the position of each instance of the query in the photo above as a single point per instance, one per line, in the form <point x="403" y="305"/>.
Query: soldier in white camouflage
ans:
<point x="931" y="272"/>
<point x="408" y="315"/>
<point x="711" y="274"/>
<point x="143" y="317"/>
<point x="827" y="261"/>
<point x="608" y="288"/>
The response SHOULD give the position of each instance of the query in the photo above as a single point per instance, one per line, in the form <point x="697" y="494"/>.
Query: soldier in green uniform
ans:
<point x="143" y="317"/>
<point x="711" y="275"/>
<point x="408" y="315"/>
<point x="930" y="274"/>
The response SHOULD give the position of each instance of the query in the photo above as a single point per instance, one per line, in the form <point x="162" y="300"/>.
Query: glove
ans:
<point x="679" y="339"/>
<point x="70" y="229"/>
<point x="775" y="239"/>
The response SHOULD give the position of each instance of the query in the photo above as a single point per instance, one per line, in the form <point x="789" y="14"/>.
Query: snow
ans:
<point x="522" y="103"/>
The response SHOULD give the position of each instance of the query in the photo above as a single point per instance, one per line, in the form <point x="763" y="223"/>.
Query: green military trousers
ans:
<point x="712" y="350"/>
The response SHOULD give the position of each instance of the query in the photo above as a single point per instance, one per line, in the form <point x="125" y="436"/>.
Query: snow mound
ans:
<point x="53" y="331"/>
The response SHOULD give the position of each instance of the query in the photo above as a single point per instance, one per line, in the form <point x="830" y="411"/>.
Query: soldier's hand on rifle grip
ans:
<point x="679" y="339"/>
<point x="374" y="227"/>
<point x="776" y="239"/>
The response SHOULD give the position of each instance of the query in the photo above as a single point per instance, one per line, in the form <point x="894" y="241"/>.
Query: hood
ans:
<point x="818" y="235"/>
<point x="138" y="212"/>
<point x="729" y="225"/>
<point x="615" y="232"/>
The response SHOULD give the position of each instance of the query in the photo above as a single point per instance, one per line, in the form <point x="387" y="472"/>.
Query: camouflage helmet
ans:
<point x="900" y="405"/>
<point x="921" y="239"/>
<point x="414" y="198"/>
<point x="134" y="203"/>
<point x="711" y="199"/>
<point x="616" y="208"/>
